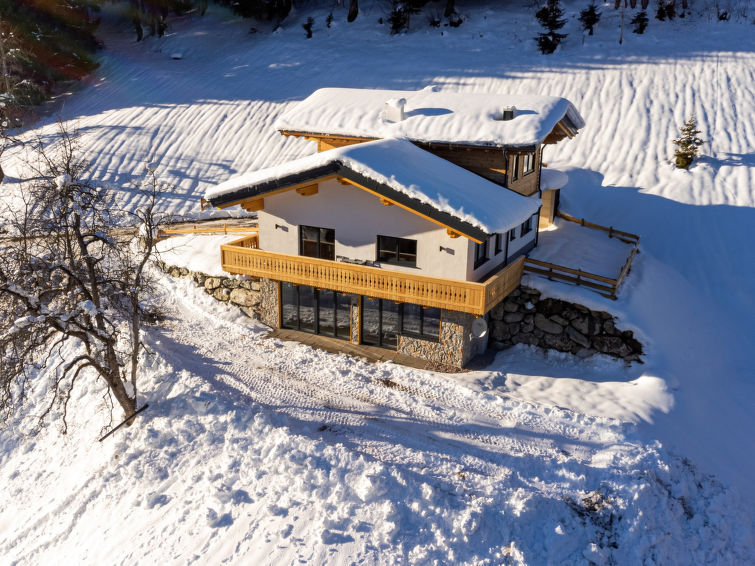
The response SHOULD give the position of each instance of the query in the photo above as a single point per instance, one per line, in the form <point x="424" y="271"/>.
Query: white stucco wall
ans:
<point x="358" y="218"/>
<point x="496" y="260"/>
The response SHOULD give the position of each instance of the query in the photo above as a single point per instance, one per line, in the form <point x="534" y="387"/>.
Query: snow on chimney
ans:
<point x="394" y="109"/>
<point x="508" y="113"/>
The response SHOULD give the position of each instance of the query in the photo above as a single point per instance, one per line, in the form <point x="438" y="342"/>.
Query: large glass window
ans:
<point x="399" y="251"/>
<point x="317" y="242"/>
<point x="420" y="321"/>
<point x="384" y="320"/>
<point x="320" y="311"/>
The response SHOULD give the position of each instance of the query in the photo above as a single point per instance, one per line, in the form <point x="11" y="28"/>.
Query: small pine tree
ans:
<point x="688" y="144"/>
<point x="308" y="26"/>
<point x="329" y="19"/>
<point x="640" y="22"/>
<point x="551" y="18"/>
<point x="660" y="14"/>
<point x="589" y="17"/>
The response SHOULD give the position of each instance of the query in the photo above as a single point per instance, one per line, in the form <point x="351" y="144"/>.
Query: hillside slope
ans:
<point x="261" y="452"/>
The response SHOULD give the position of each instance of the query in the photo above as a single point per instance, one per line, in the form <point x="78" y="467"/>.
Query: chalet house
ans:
<point x="410" y="223"/>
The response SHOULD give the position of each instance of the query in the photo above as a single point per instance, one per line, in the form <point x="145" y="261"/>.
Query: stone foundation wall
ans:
<point x="524" y="318"/>
<point x="454" y="347"/>
<point x="244" y="293"/>
<point x="268" y="308"/>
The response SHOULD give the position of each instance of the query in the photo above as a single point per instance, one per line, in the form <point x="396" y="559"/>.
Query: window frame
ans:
<point x="423" y="332"/>
<point x="498" y="241"/>
<point x="479" y="259"/>
<point x="320" y="242"/>
<point x="511" y="234"/>
<point x="515" y="167"/>
<point x="528" y="165"/>
<point x="526" y="227"/>
<point x="396" y="260"/>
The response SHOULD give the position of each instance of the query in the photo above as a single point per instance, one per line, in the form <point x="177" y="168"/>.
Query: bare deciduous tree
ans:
<point x="70" y="283"/>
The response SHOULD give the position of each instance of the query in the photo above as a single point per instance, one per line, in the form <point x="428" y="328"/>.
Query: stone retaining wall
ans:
<point x="524" y="318"/>
<point x="244" y="293"/>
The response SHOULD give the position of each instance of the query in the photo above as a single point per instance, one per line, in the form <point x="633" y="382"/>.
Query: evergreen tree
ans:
<point x="589" y="17"/>
<point x="43" y="42"/>
<point x="551" y="19"/>
<point x="640" y="22"/>
<point x="688" y="144"/>
<point x="308" y="26"/>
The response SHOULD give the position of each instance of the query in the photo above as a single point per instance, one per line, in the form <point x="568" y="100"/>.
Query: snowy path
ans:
<point x="353" y="396"/>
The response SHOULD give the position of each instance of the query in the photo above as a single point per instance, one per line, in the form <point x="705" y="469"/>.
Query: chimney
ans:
<point x="508" y="113"/>
<point x="394" y="109"/>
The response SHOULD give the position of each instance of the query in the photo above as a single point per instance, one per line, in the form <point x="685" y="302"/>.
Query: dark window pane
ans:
<point x="390" y="327"/>
<point x="289" y="306"/>
<point x="343" y="316"/>
<point x="309" y="249"/>
<point x="327" y="251"/>
<point x="370" y="321"/>
<point x="386" y="248"/>
<point x="411" y="323"/>
<point x="407" y="251"/>
<point x="498" y="245"/>
<point x="310" y="233"/>
<point x="306" y="308"/>
<point x="431" y="322"/>
<point x="512" y="234"/>
<point x="326" y="312"/>
<point x="328" y="235"/>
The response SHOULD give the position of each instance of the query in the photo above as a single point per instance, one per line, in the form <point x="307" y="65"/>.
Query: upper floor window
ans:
<point x="480" y="253"/>
<point x="317" y="242"/>
<point x="526" y="226"/>
<point x="512" y="234"/>
<point x="528" y="163"/>
<point x="498" y="243"/>
<point x="514" y="167"/>
<point x="398" y="251"/>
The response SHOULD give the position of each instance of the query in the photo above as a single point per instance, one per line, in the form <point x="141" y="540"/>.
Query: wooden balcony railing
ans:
<point x="243" y="257"/>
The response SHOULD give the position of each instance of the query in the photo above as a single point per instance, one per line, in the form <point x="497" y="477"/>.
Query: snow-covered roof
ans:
<point x="431" y="115"/>
<point x="552" y="179"/>
<point x="398" y="170"/>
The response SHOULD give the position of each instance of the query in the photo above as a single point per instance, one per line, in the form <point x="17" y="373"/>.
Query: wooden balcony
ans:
<point x="243" y="257"/>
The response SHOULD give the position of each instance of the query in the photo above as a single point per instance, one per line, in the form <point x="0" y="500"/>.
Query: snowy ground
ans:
<point x="572" y="245"/>
<point x="259" y="451"/>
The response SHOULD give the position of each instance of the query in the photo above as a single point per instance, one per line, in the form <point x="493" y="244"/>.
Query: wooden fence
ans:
<point x="243" y="257"/>
<point x="625" y="237"/>
<point x="606" y="286"/>
<point x="195" y="229"/>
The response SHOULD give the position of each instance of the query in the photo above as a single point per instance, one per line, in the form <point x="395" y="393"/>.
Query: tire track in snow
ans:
<point x="474" y="430"/>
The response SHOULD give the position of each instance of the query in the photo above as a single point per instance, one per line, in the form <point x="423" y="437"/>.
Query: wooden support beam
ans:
<point x="308" y="190"/>
<point x="386" y="202"/>
<point x="452" y="233"/>
<point x="253" y="205"/>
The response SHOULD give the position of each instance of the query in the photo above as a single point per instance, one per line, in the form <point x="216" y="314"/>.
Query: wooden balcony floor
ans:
<point x="370" y="353"/>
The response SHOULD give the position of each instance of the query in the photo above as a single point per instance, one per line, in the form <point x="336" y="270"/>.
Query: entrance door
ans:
<point x="380" y="322"/>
